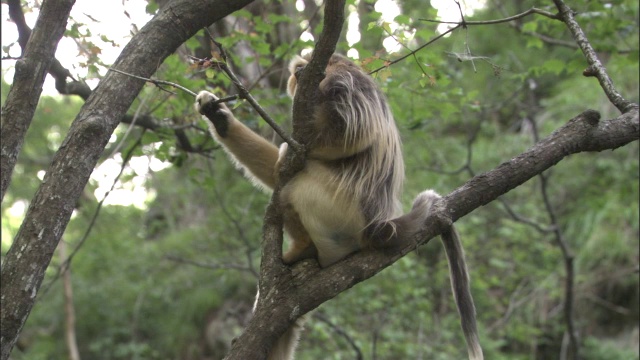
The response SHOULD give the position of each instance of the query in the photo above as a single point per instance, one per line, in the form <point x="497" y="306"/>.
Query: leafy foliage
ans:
<point x="138" y="294"/>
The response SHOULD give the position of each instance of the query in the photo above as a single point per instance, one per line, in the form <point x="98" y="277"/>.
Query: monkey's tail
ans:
<point x="383" y="234"/>
<point x="462" y="291"/>
<point x="285" y="347"/>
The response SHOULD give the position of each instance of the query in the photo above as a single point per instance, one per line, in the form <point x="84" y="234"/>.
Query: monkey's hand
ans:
<point x="218" y="113"/>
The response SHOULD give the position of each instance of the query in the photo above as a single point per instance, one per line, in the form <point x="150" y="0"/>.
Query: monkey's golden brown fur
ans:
<point x="346" y="198"/>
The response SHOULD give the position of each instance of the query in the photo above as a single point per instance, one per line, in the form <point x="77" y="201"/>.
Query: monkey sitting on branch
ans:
<point x="346" y="198"/>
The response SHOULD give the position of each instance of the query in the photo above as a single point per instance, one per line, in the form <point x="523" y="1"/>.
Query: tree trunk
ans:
<point x="50" y="210"/>
<point x="31" y="69"/>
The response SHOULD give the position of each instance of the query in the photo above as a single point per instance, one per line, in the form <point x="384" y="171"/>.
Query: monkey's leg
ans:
<point x="301" y="245"/>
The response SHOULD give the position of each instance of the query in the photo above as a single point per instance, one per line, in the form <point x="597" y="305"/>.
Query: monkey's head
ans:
<point x="299" y="62"/>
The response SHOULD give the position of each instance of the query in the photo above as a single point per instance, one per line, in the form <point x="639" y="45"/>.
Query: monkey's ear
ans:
<point x="296" y="64"/>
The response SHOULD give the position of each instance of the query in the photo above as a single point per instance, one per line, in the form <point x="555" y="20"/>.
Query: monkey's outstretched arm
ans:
<point x="248" y="149"/>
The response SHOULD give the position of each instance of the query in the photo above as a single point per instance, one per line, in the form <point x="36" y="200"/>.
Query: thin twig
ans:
<point x="239" y="228"/>
<point x="567" y="257"/>
<point x="209" y="265"/>
<point x="163" y="82"/>
<point x="340" y="331"/>
<point x="156" y="82"/>
<point x="388" y="64"/>
<point x="499" y="21"/>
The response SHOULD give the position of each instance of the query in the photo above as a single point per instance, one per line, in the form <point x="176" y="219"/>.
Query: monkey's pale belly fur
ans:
<point x="334" y="223"/>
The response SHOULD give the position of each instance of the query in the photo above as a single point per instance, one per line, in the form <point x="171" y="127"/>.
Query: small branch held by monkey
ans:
<point x="156" y="82"/>
<point x="244" y="93"/>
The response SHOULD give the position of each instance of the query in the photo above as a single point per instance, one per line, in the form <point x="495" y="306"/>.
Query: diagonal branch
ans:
<point x="499" y="21"/>
<point x="245" y="94"/>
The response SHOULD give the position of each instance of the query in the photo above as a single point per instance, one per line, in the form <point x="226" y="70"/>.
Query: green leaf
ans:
<point x="534" y="42"/>
<point x="531" y="26"/>
<point x="149" y="138"/>
<point x="402" y="19"/>
<point x="554" y="66"/>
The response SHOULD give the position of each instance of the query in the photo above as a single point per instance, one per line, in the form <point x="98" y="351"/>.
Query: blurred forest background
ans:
<point x="160" y="259"/>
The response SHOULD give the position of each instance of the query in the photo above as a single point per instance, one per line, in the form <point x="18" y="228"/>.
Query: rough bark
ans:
<point x="49" y="212"/>
<point x="30" y="71"/>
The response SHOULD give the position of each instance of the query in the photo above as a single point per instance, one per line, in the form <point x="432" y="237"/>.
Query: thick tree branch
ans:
<point x="24" y="94"/>
<point x="59" y="72"/>
<point x="303" y="106"/>
<point x="268" y="321"/>
<point x="50" y="210"/>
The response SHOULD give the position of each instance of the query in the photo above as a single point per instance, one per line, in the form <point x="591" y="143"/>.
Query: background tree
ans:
<point x="480" y="91"/>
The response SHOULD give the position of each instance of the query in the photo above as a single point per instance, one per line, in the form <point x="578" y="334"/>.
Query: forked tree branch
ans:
<point x="256" y="340"/>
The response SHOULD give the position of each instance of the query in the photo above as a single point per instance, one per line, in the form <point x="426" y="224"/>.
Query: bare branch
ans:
<point x="64" y="265"/>
<point x="156" y="82"/>
<point x="596" y="67"/>
<point x="210" y="265"/>
<point x="340" y="331"/>
<point x="567" y="257"/>
<point x="499" y="21"/>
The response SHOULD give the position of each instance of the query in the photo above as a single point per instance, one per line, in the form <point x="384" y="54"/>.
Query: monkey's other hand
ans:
<point x="218" y="114"/>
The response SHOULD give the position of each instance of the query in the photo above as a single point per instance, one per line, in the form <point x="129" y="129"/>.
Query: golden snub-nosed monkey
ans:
<point x="346" y="197"/>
